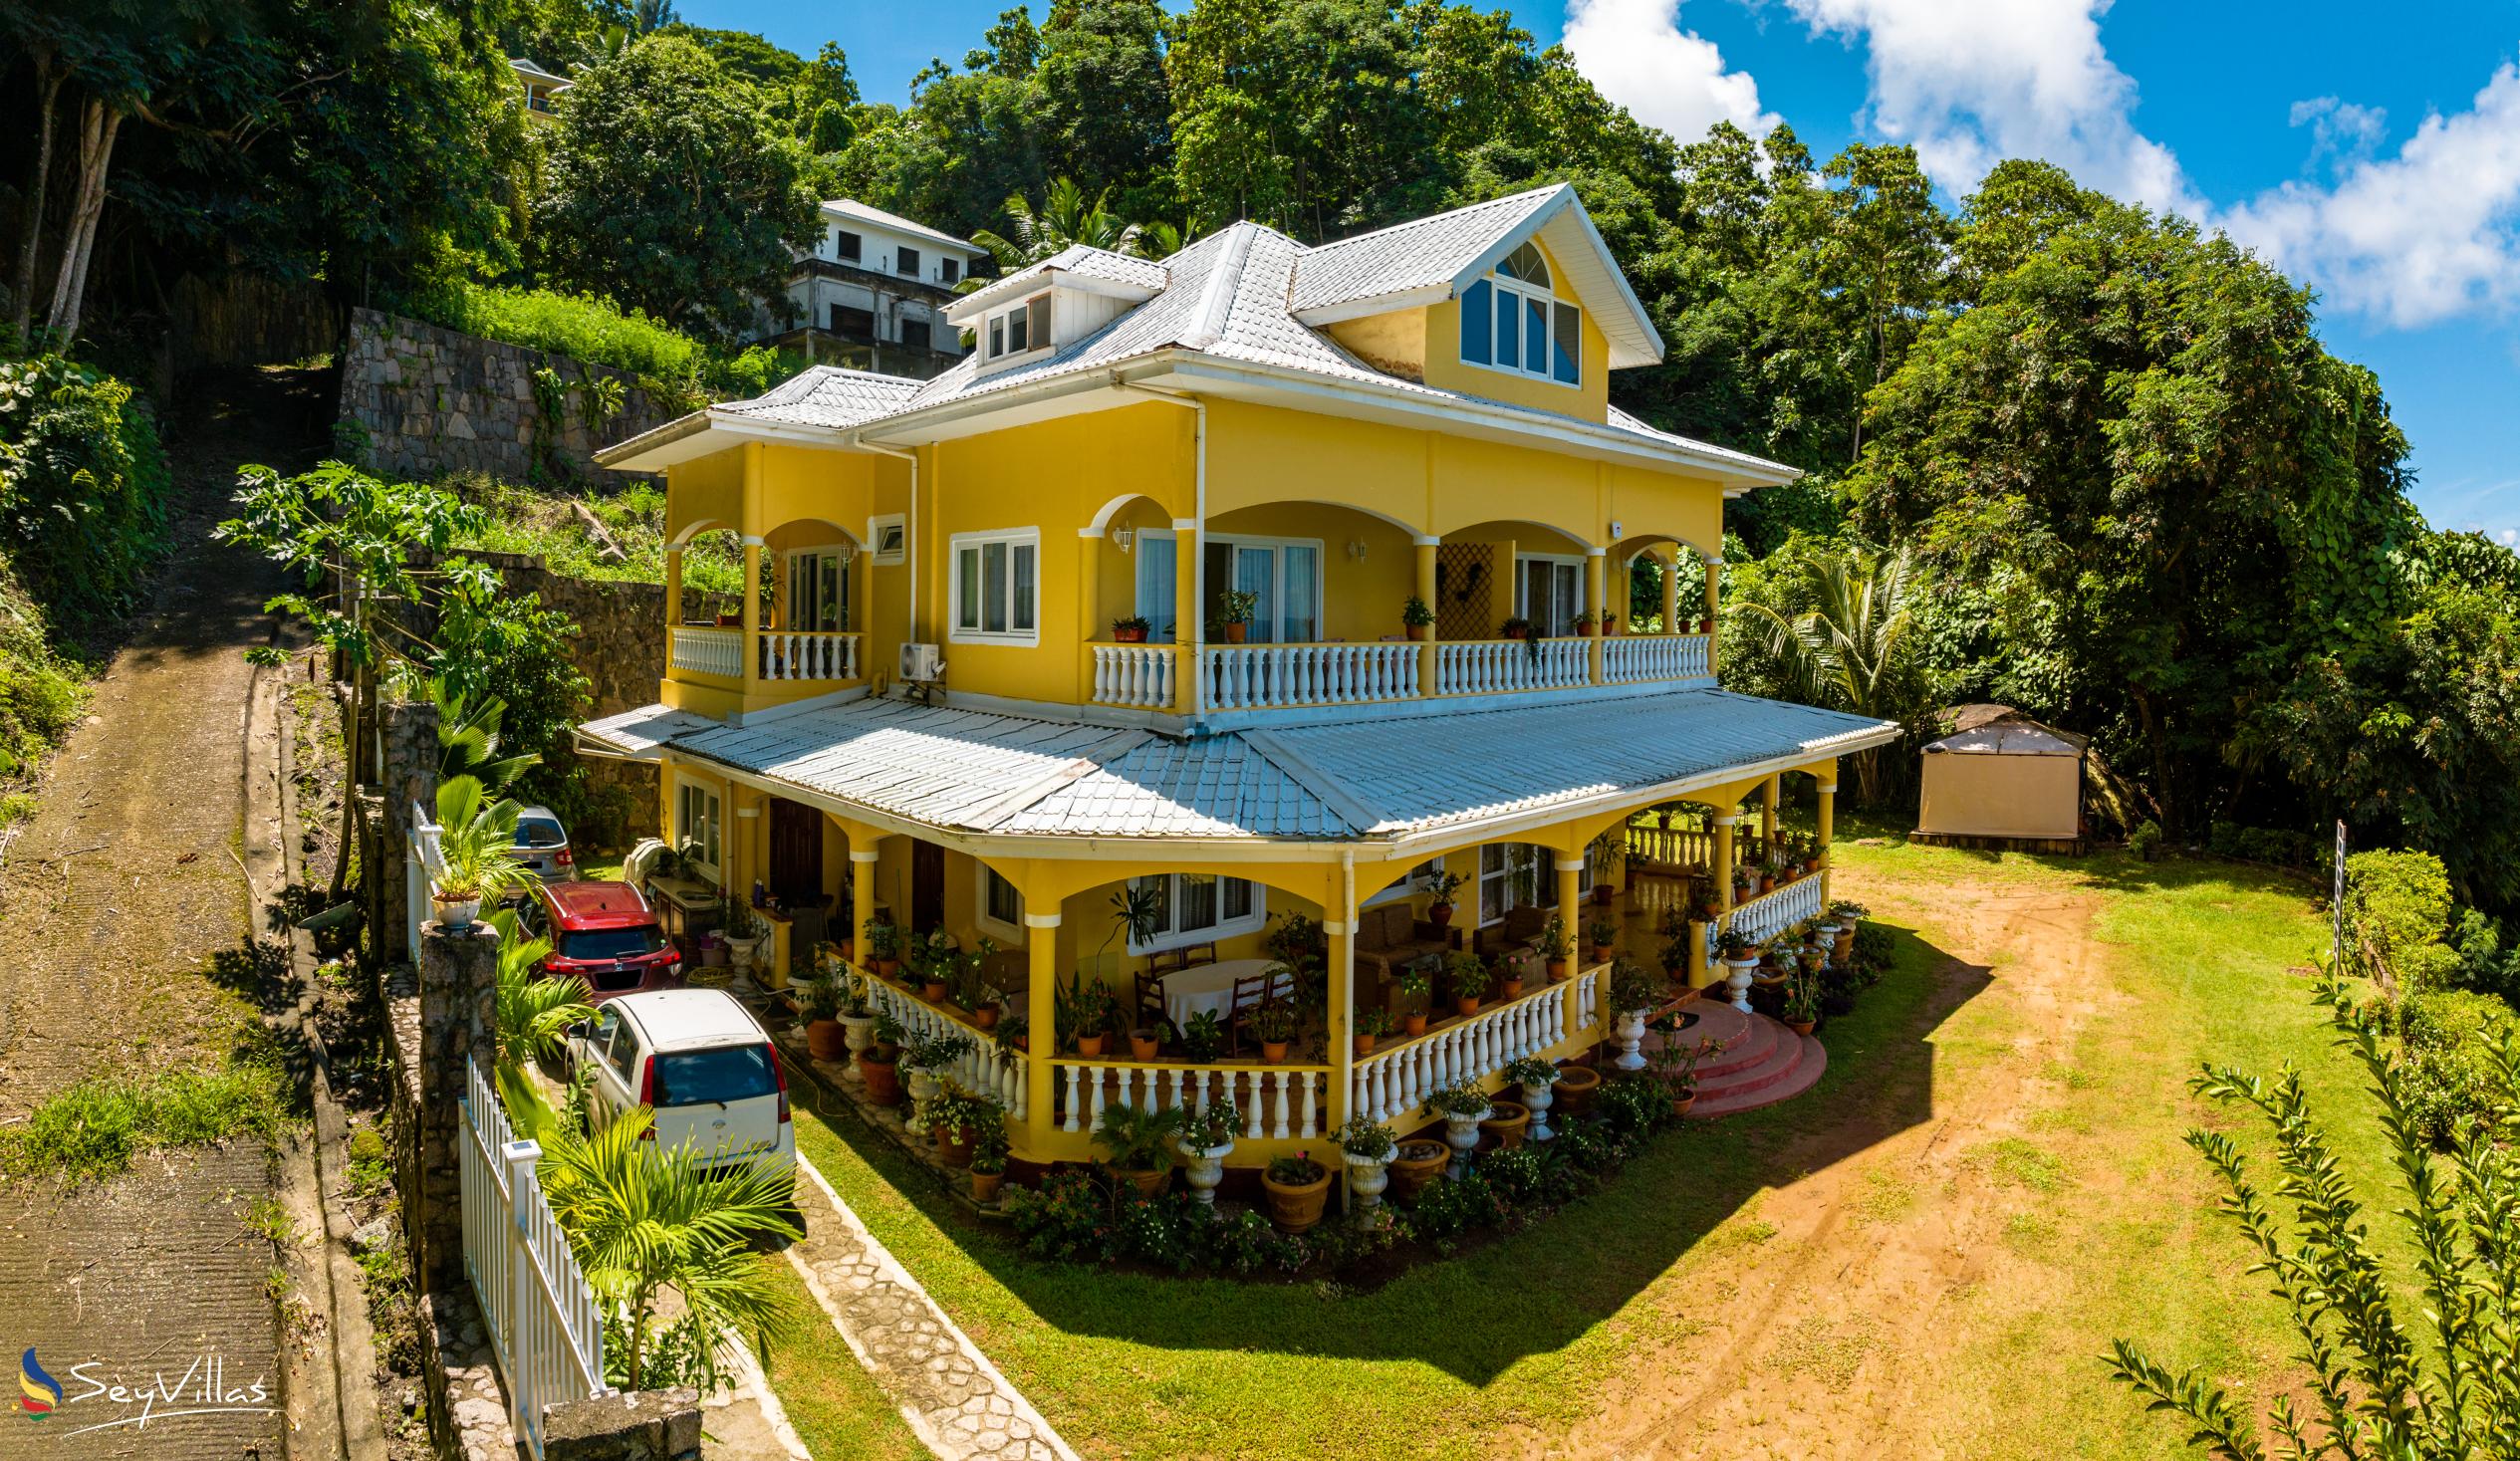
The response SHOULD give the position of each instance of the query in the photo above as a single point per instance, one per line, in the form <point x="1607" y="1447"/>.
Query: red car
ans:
<point x="605" y="934"/>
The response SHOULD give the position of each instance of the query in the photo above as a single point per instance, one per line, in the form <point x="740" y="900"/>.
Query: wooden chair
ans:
<point x="1251" y="990"/>
<point x="1188" y="956"/>
<point x="1150" y="1012"/>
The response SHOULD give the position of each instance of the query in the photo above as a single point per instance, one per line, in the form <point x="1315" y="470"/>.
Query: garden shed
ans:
<point x="1997" y="777"/>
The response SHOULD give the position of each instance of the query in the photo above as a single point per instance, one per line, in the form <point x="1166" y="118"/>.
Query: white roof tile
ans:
<point x="1077" y="259"/>
<point x="825" y="395"/>
<point x="1412" y="255"/>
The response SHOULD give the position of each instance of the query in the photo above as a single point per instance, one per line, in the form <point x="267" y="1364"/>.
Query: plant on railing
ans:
<point x="1586" y="623"/>
<point x="1441" y="889"/>
<point x="1012" y="1035"/>
<point x="1603" y="932"/>
<point x="1631" y="988"/>
<point x="1531" y="1071"/>
<point x="964" y="976"/>
<point x="1516" y="628"/>
<point x="1273" y="1022"/>
<point x="933" y="961"/>
<point x="1081" y="1012"/>
<point x="1371" y="1025"/>
<point x="937" y="1052"/>
<point x="1362" y="1138"/>
<point x="1554" y="945"/>
<point x="1216" y="1126"/>
<point x="1203" y="1037"/>
<point x="1235" y="609"/>
<point x="1465" y="1099"/>
<point x="889" y="1036"/>
<point x="884" y="946"/>
<point x="1132" y="629"/>
<point x="1417" y="986"/>
<point x="1465" y="976"/>
<point x="1416" y="618"/>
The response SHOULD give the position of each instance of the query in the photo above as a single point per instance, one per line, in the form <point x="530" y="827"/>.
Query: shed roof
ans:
<point x="2000" y="730"/>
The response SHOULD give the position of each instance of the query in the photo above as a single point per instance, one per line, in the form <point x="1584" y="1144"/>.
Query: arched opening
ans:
<point x="1312" y="572"/>
<point x="1488" y="576"/>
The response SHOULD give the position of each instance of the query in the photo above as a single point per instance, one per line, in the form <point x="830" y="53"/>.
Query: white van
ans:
<point x="701" y="1061"/>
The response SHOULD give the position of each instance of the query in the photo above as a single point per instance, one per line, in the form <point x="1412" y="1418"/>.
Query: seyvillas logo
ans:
<point x="42" y="1392"/>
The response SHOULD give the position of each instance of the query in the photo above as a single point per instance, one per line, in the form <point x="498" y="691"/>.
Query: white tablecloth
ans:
<point x="1209" y="988"/>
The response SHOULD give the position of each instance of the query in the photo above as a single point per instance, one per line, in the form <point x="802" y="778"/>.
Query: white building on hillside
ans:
<point x="873" y="292"/>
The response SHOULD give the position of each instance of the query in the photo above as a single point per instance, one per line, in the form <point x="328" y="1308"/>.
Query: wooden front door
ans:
<point x="796" y="852"/>
<point x="928" y="887"/>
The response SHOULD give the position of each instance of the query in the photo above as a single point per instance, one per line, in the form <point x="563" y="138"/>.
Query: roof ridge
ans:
<point x="1223" y="286"/>
<point x="1340" y="243"/>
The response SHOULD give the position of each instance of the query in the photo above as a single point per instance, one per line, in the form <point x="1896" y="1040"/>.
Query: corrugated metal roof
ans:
<point x="638" y="733"/>
<point x="979" y="771"/>
<point x="1077" y="259"/>
<point x="1412" y="255"/>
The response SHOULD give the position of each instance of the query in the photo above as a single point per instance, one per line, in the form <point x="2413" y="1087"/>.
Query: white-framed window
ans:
<point x="890" y="536"/>
<point x="1001" y="907"/>
<point x="1195" y="908"/>
<point x="1520" y="875"/>
<point x="1157" y="583"/>
<point x="1418" y="878"/>
<point x="1016" y="329"/>
<point x="1285" y="574"/>
<point x="1511" y="321"/>
<point x="997" y="586"/>
<point x="1549" y="591"/>
<point x="696" y="822"/>
<point x="818" y="589"/>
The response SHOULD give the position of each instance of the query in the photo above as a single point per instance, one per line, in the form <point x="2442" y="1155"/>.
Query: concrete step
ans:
<point x="1788" y="1079"/>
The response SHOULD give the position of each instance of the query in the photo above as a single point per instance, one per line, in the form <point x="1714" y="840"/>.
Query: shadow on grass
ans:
<point x="1528" y="1293"/>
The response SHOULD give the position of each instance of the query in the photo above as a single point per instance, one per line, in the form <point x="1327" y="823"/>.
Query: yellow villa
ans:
<point x="1124" y="602"/>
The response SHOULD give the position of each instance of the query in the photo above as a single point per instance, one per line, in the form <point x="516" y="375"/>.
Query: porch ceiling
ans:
<point x="982" y="773"/>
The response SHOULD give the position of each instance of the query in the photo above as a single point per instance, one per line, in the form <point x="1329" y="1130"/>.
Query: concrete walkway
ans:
<point x="954" y="1399"/>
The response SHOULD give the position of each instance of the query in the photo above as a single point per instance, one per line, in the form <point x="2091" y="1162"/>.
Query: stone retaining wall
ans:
<point x="433" y="401"/>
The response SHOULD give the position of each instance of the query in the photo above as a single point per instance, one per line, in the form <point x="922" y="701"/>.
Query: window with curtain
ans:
<point x="1520" y="875"/>
<point x="1157" y="573"/>
<point x="818" y="590"/>
<point x="1283" y="575"/>
<point x="1195" y="907"/>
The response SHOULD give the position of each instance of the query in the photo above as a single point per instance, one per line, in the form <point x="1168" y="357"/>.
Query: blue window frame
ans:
<point x="1478" y="327"/>
<point x="1513" y="323"/>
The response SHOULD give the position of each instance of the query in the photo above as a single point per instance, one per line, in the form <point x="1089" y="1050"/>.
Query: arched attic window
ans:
<point x="1512" y="321"/>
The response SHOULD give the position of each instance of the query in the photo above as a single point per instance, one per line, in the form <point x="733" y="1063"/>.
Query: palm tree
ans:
<point x="1847" y="650"/>
<point x="468" y="738"/>
<point x="642" y="1221"/>
<point x="1065" y="217"/>
<point x="534" y="1011"/>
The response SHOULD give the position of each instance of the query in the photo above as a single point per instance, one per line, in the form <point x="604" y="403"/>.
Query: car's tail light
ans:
<point x="781" y="1072"/>
<point x="648" y="1095"/>
<point x="563" y="859"/>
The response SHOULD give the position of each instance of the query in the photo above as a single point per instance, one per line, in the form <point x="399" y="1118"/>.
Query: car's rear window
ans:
<point x="609" y="943"/>
<point x="539" y="832"/>
<point x="728" y="1072"/>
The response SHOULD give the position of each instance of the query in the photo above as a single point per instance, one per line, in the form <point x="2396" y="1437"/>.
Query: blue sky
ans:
<point x="2373" y="154"/>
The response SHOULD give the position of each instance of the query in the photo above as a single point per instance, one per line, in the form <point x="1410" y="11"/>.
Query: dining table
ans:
<point x="1209" y="988"/>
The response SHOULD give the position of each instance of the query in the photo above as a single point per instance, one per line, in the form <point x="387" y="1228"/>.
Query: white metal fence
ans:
<point x="542" y="1319"/>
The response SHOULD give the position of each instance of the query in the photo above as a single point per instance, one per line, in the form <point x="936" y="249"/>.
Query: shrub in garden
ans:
<point x="2447" y="1042"/>
<point x="83" y="485"/>
<point x="1633" y="1104"/>
<point x="1447" y="1210"/>
<point x="2146" y="840"/>
<point x="1068" y="1218"/>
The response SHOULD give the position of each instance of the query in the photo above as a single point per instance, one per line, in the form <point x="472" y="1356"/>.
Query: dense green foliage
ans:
<point x="83" y="485"/>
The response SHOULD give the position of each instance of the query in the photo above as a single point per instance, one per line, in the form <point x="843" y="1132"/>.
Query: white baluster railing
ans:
<point x="1628" y="658"/>
<point x="1671" y="847"/>
<point x="792" y="655"/>
<point x="985" y="1070"/>
<point x="1497" y="666"/>
<point x="1770" y="913"/>
<point x="1274" y="677"/>
<point x="1283" y="1101"/>
<point x="707" y="651"/>
<point x="1391" y="1085"/>
<point x="1136" y="677"/>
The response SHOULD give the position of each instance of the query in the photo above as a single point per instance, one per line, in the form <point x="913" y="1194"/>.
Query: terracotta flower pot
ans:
<point x="882" y="1077"/>
<point x="1365" y="1045"/>
<point x="1467" y="1005"/>
<point x="1128" y="637"/>
<point x="1297" y="1207"/>
<point x="826" y="1039"/>
<point x="1149" y="1181"/>
<point x="1439" y="914"/>
<point x="934" y="991"/>
<point x="984" y="1014"/>
<point x="1273" y="1050"/>
<point x="887" y="968"/>
<point x="1767" y="882"/>
<point x="1143" y="1046"/>
<point x="1517" y="634"/>
<point x="1510" y="988"/>
<point x="1237" y="634"/>
<point x="954" y="1145"/>
<point x="1602" y="953"/>
<point x="1681" y="1104"/>
<point x="1413" y="1023"/>
<point x="1557" y="971"/>
<point x="1417" y="633"/>
<point x="1800" y="1026"/>
<point x="1416" y="1165"/>
<point x="985" y="1185"/>
<point x="1507" y="1123"/>
<point x="1845" y="947"/>
<point x="1577" y="1086"/>
<point x="1602" y="892"/>
<point x="1088" y="1046"/>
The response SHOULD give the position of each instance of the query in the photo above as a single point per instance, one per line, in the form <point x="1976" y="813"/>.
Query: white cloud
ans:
<point x="1637" y="52"/>
<point x="1972" y="81"/>
<point x="2413" y="239"/>
<point x="2339" y="126"/>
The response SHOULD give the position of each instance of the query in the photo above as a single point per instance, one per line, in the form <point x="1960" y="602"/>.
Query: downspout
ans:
<point x="1198" y="561"/>
<point x="1343" y="1025"/>
<point x="910" y="541"/>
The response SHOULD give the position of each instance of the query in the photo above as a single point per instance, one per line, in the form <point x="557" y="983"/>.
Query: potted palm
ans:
<point x="1235" y="609"/>
<point x="1298" y="1188"/>
<point x="1367" y="1148"/>
<point x="1441" y="888"/>
<point x="1462" y="1107"/>
<point x="1537" y="1077"/>
<point x="1139" y="1143"/>
<point x="1371" y="1025"/>
<point x="1130" y="630"/>
<point x="1207" y="1138"/>
<point x="1416" y="618"/>
<point x="1417" y="986"/>
<point x="1466" y="976"/>
<point x="476" y="850"/>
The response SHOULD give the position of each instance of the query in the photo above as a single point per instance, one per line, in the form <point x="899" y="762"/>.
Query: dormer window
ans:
<point x="1510" y="321"/>
<point x="1025" y="326"/>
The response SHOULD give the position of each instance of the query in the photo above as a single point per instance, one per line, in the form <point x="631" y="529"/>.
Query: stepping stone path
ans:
<point x="953" y="1397"/>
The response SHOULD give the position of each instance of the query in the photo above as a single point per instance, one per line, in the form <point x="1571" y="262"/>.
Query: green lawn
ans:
<point x="830" y="1399"/>
<point x="1521" y="1342"/>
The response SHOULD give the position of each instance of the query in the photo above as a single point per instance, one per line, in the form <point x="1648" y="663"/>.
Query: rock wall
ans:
<point x="433" y="401"/>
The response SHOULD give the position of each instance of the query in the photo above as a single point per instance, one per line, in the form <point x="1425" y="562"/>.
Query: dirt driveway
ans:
<point x="126" y="919"/>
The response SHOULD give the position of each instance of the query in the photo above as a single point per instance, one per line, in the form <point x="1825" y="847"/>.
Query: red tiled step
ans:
<point x="1787" y="1077"/>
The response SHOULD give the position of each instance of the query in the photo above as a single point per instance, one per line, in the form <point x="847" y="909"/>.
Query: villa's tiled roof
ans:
<point x="827" y="395"/>
<point x="1405" y="256"/>
<point x="985" y="773"/>
<point x="1076" y="259"/>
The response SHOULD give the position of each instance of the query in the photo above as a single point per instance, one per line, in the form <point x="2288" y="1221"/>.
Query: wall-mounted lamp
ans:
<point x="1126" y="537"/>
<point x="1615" y="530"/>
<point x="1356" y="549"/>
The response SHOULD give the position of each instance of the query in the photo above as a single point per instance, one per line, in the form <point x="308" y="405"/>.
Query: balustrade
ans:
<point x="1628" y="659"/>
<point x="985" y="1070"/>
<point x="1135" y="676"/>
<point x="1281" y="1102"/>
<point x="1273" y="677"/>
<point x="1493" y="666"/>
<point x="1671" y="847"/>
<point x="793" y="655"/>
<point x="709" y="651"/>
<point x="1770" y="913"/>
<point x="1391" y="1085"/>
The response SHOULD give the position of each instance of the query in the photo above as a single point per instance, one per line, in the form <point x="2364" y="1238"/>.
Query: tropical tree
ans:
<point x="2381" y="1387"/>
<point x="646" y="1222"/>
<point x="1067" y="217"/>
<point x="1841" y="633"/>
<point x="468" y="737"/>
<point x="534" y="1011"/>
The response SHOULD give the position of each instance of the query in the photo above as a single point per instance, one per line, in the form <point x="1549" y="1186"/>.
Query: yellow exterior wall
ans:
<point x="1361" y="599"/>
<point x="2000" y="796"/>
<point x="1395" y="343"/>
<point x="1586" y="400"/>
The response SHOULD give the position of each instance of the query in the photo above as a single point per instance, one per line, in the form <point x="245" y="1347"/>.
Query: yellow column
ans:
<point x="1090" y="625"/>
<point x="1594" y="564"/>
<point x="1041" y="941"/>
<point x="1426" y="652"/>
<point x="1767" y="816"/>
<point x="1724" y="862"/>
<point x="752" y="615"/>
<point x="1828" y="826"/>
<point x="673" y="599"/>
<point x="1714" y="577"/>
<point x="1571" y="913"/>
<point x="1189" y="615"/>
<point x="1341" y="975"/>
<point x="862" y="863"/>
<point x="1671" y="594"/>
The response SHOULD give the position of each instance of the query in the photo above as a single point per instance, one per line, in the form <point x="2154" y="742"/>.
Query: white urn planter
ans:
<point x="455" y="912"/>
<point x="1538" y="1099"/>
<point x="1203" y="1167"/>
<point x="858" y="1032"/>
<point x="1461" y="1134"/>
<point x="922" y="1087"/>
<point x="741" y="952"/>
<point x="1744" y="969"/>
<point x="1629" y="1030"/>
<point x="1368" y="1175"/>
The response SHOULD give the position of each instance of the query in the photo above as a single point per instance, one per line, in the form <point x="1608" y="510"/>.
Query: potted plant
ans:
<point x="1802" y="1004"/>
<point x="1416" y="618"/>
<point x="1417" y="986"/>
<point x="1553" y="940"/>
<point x="1577" y="1086"/>
<point x="823" y="1033"/>
<point x="1203" y="1038"/>
<point x="879" y="1064"/>
<point x="1206" y="1139"/>
<point x="1414" y="1164"/>
<point x="1740" y="955"/>
<point x="1441" y="889"/>
<point x="1585" y="623"/>
<point x="1609" y="621"/>
<point x="883" y="948"/>
<point x="1273" y="1025"/>
<point x="1602" y="934"/>
<point x="1462" y="1107"/>
<point x="1509" y="977"/>
<point x="1367" y="1148"/>
<point x="1633" y="995"/>
<point x="1235" y="609"/>
<point x="1538" y="1079"/>
<point x="1014" y="1033"/>
<point x="1465" y="975"/>
<point x="1508" y="1122"/>
<point x="933" y="961"/>
<point x="1080" y="1010"/>
<point x="1138" y="1142"/>
<point x="1676" y="1064"/>
<point x="956" y="1118"/>
<point x="476" y="850"/>
<point x="1131" y="629"/>
<point x="1298" y="1188"/>
<point x="1604" y="855"/>
<point x="1847" y="914"/>
<point x="988" y="1162"/>
<point x="1146" y="1043"/>
<point x="1514" y="628"/>
<point x="923" y="1068"/>
<point x="1371" y="1025"/>
<point x="857" y="1022"/>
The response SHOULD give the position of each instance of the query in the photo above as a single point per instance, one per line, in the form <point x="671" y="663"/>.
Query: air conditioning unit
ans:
<point x="921" y="664"/>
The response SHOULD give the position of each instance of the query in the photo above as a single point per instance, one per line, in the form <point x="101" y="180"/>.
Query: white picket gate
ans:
<point x="542" y="1319"/>
<point x="420" y="865"/>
